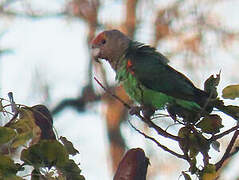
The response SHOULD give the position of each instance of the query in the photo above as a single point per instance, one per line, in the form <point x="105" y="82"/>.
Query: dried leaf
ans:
<point x="231" y="92"/>
<point x="133" y="166"/>
<point x="44" y="121"/>
<point x="210" y="124"/>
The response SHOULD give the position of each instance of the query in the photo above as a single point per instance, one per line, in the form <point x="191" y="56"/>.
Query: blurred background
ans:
<point x="45" y="59"/>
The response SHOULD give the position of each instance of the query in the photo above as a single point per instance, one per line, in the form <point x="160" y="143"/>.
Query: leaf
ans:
<point x="1" y="105"/>
<point x="6" y="134"/>
<point x="210" y="124"/>
<point x="231" y="92"/>
<point x="8" y="168"/>
<point x="192" y="142"/>
<point x="210" y="85"/>
<point x="21" y="139"/>
<point x="183" y="133"/>
<point x="44" y="121"/>
<point x="216" y="145"/>
<point x="209" y="172"/>
<point x="233" y="110"/>
<point x="69" y="146"/>
<point x="26" y="128"/>
<point x="46" y="153"/>
<point x="71" y="170"/>
<point x="133" y="165"/>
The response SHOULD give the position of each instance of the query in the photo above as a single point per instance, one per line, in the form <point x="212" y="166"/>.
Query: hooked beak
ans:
<point x="95" y="52"/>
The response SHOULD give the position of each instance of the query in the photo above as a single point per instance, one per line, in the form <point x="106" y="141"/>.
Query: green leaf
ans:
<point x="69" y="146"/>
<point x="8" y="168"/>
<point x="1" y="105"/>
<point x="233" y="109"/>
<point x="209" y="172"/>
<point x="210" y="85"/>
<point x="183" y="133"/>
<point x="71" y="170"/>
<point x="6" y="134"/>
<point x="210" y="124"/>
<point x="231" y="92"/>
<point x="26" y="128"/>
<point x="46" y="153"/>
<point x="21" y="139"/>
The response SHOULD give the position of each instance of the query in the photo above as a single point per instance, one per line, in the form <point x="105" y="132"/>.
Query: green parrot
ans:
<point x="145" y="74"/>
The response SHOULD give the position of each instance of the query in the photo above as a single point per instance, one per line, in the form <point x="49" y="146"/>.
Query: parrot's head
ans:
<point x="109" y="45"/>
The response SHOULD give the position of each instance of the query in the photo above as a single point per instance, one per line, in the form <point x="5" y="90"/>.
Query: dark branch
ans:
<point x="147" y="121"/>
<point x="88" y="95"/>
<point x="160" y="145"/>
<point x="227" y="153"/>
<point x="213" y="138"/>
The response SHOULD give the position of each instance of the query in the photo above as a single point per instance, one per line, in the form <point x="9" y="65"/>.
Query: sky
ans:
<point x="55" y="48"/>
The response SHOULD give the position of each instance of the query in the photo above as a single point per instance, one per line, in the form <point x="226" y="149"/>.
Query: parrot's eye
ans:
<point x="103" y="41"/>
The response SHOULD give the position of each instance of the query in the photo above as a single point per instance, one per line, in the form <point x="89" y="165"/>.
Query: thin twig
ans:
<point x="236" y="149"/>
<point x="160" y="145"/>
<point x="113" y="95"/>
<point x="213" y="138"/>
<point x="13" y="104"/>
<point x="147" y="121"/>
<point x="228" y="150"/>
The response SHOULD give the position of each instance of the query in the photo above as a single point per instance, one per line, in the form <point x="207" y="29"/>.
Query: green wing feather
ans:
<point x="151" y="70"/>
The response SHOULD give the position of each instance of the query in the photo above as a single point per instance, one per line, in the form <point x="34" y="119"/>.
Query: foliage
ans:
<point x="191" y="137"/>
<point x="231" y="92"/>
<point x="39" y="147"/>
<point x="190" y="27"/>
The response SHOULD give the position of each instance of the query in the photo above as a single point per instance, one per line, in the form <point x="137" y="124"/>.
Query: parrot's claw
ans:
<point x="146" y="111"/>
<point x="135" y="110"/>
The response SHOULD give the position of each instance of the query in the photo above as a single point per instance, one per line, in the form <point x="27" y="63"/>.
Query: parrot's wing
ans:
<point x="158" y="76"/>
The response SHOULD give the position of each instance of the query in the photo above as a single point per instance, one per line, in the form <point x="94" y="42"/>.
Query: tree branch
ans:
<point x="213" y="138"/>
<point x="147" y="121"/>
<point x="227" y="153"/>
<point x="160" y="145"/>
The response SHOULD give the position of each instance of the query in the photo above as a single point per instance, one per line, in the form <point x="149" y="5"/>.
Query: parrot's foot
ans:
<point x="135" y="110"/>
<point x="146" y="111"/>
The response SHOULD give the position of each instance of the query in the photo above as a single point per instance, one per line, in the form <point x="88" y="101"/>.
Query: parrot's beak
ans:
<point x="95" y="52"/>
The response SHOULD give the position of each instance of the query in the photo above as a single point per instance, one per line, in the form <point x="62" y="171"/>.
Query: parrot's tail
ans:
<point x="203" y="98"/>
<point x="208" y="103"/>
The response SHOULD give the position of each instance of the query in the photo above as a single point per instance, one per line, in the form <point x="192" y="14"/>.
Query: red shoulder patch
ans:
<point x="129" y="66"/>
<point x="98" y="38"/>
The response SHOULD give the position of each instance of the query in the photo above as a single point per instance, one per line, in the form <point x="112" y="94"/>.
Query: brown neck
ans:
<point x="116" y="59"/>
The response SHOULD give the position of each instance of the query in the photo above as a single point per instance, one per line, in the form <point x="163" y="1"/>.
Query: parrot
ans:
<point x="145" y="73"/>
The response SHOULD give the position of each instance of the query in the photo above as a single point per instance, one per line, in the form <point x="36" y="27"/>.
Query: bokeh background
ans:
<point x="45" y="59"/>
